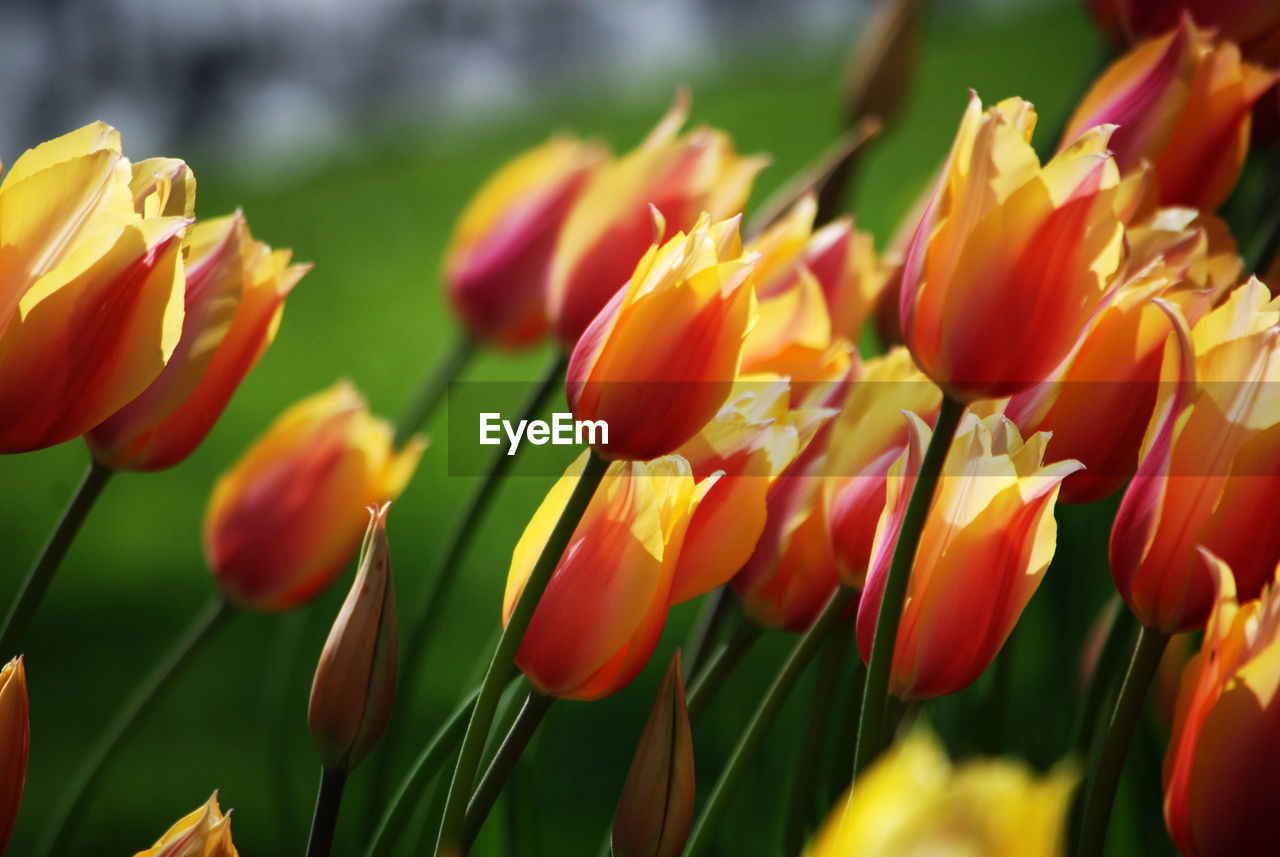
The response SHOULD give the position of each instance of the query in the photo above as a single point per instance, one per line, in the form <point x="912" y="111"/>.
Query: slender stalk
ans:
<point x="448" y="844"/>
<point x="765" y="714"/>
<point x="1120" y="637"/>
<point x="41" y="574"/>
<point x="325" y="820"/>
<point x="433" y="389"/>
<point x="706" y="628"/>
<point x="1133" y="693"/>
<point x="876" y="690"/>
<point x="706" y="683"/>
<point x="62" y="821"/>
<point x="804" y="786"/>
<point x="504" y="761"/>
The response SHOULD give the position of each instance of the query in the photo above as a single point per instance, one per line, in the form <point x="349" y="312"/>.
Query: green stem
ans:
<point x="1120" y="637"/>
<point x="325" y="820"/>
<point x="706" y="683"/>
<point x="706" y="628"/>
<point x="41" y="575"/>
<point x="1133" y="693"/>
<point x="504" y="761"/>
<point x="765" y="714"/>
<point x="804" y="786"/>
<point x="876" y="690"/>
<point x="449" y="841"/>
<point x="433" y="389"/>
<point x="61" y="823"/>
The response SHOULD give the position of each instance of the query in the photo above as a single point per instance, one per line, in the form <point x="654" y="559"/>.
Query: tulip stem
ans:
<point x="804" y="785"/>
<point x="876" y="690"/>
<point x="504" y="761"/>
<point x="706" y="628"/>
<point x="41" y="575"/>
<point x="433" y="389"/>
<point x="706" y="683"/>
<point x="325" y="820"/>
<point x="69" y="811"/>
<point x="448" y="844"/>
<point x="1120" y="636"/>
<point x="1124" y="720"/>
<point x="765" y="714"/>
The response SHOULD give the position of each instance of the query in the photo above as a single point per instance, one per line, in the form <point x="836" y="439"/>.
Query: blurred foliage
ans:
<point x="374" y="219"/>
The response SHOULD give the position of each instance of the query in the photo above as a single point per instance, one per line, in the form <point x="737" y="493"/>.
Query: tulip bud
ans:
<point x="498" y="259"/>
<point x="91" y="303"/>
<point x="1219" y="770"/>
<point x="206" y="832"/>
<point x="610" y="226"/>
<point x="1253" y="25"/>
<point x="656" y="810"/>
<point x="355" y="683"/>
<point x="15" y="738"/>
<point x="660" y="360"/>
<point x="987" y="540"/>
<point x="914" y="801"/>
<point x="235" y="291"/>
<point x="283" y="522"/>
<point x="1008" y="245"/>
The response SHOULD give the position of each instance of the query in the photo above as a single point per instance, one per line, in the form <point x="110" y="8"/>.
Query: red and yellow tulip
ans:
<point x="15" y="740"/>
<point x="205" y="832"/>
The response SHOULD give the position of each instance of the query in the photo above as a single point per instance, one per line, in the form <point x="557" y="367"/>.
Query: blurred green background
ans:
<point x="374" y="219"/>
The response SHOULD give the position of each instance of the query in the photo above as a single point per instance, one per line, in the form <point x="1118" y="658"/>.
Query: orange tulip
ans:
<point x="660" y="360"/>
<point x="1007" y="245"/>
<point x="235" y="291"/>
<point x="1211" y="462"/>
<point x="1253" y="25"/>
<point x="1219" y="772"/>
<point x="90" y="285"/>
<point x="610" y="227"/>
<point x="287" y="517"/>
<point x="15" y="739"/>
<point x="497" y="262"/>
<point x="206" y="832"/>
<point x="986" y="543"/>
<point x="604" y="609"/>
<point x="1183" y="103"/>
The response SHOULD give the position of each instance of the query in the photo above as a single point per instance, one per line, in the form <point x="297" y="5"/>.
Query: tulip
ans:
<point x="15" y="738"/>
<point x="609" y="228"/>
<point x="497" y="262"/>
<point x="656" y="809"/>
<point x="987" y="540"/>
<point x="603" y="611"/>
<point x="1182" y="102"/>
<point x="913" y="801"/>
<point x="1178" y="257"/>
<point x="1219" y="770"/>
<point x="660" y="360"/>
<point x="1211" y="460"/>
<point x="283" y="522"/>
<point x="235" y="291"/>
<point x="1007" y="245"/>
<point x="355" y="682"/>
<point x="868" y="436"/>
<point x="91" y="302"/>
<point x="1252" y="25"/>
<point x="206" y="832"/>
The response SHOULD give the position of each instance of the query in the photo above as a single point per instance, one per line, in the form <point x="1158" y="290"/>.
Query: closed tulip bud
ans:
<point x="235" y="291"/>
<point x="1219" y="770"/>
<point x="15" y="738"/>
<point x="603" y="611"/>
<point x="90" y="289"/>
<point x="1008" y="245"/>
<point x="1252" y="25"/>
<point x="206" y="832"/>
<point x="355" y="683"/>
<point x="497" y="262"/>
<point x="987" y="540"/>
<point x="913" y="801"/>
<point x="660" y="360"/>
<point x="656" y="810"/>
<point x="1210" y="462"/>
<point x="867" y="438"/>
<point x="610" y="226"/>
<point x="283" y="522"/>
<point x="1182" y="102"/>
